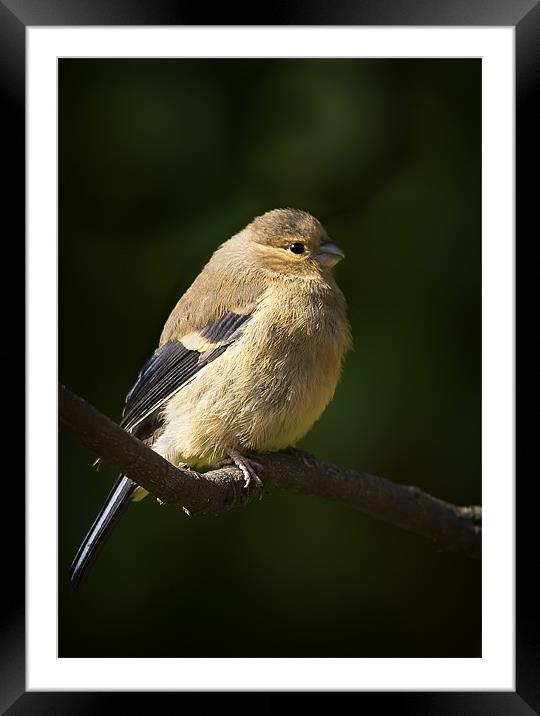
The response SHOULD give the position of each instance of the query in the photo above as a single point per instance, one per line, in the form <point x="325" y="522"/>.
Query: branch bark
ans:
<point x="449" y="526"/>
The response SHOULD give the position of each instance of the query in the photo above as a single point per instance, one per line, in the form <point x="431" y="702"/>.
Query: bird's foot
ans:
<point x="307" y="459"/>
<point x="187" y="468"/>
<point x="248" y="468"/>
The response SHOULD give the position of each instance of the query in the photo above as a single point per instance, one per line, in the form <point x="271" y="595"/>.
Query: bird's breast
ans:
<point x="268" y="388"/>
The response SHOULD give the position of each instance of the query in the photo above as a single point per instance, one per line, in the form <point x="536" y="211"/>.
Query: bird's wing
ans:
<point x="175" y="363"/>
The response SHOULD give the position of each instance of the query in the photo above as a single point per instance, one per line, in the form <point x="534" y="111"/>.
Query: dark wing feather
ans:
<point x="172" y="365"/>
<point x="167" y="371"/>
<point x="226" y="329"/>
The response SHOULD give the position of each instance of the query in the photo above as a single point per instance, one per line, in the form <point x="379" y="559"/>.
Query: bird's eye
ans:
<point x="297" y="247"/>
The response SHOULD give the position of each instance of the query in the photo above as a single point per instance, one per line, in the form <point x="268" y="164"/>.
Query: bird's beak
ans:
<point x="329" y="254"/>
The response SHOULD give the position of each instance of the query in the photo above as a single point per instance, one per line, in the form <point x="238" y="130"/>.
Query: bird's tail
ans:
<point x="101" y="528"/>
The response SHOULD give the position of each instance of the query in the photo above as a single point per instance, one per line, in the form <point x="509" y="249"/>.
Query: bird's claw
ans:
<point x="247" y="467"/>
<point x="187" y="468"/>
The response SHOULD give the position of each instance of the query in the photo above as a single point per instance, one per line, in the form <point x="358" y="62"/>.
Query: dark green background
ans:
<point x="162" y="160"/>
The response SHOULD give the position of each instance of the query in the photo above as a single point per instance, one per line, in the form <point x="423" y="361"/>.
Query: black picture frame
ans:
<point x="15" y="16"/>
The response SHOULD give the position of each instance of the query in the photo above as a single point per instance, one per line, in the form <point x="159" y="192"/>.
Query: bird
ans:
<point x="247" y="360"/>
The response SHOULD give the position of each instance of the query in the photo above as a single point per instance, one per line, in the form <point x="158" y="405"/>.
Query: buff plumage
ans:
<point x="248" y="359"/>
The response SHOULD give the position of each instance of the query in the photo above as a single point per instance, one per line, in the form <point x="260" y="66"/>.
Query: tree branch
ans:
<point x="451" y="527"/>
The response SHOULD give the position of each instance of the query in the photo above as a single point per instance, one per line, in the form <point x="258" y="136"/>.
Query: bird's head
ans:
<point x="292" y="242"/>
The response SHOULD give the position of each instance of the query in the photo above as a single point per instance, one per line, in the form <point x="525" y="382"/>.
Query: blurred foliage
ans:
<point x="162" y="160"/>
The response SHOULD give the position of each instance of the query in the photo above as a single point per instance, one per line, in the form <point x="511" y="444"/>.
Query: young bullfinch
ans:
<point x="247" y="361"/>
